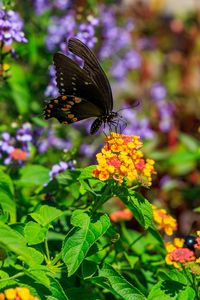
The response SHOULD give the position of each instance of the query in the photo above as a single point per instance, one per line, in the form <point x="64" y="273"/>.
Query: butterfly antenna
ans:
<point x="135" y="104"/>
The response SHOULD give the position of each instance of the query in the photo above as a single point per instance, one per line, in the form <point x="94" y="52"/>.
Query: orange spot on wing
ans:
<point x="70" y="116"/>
<point x="77" y="100"/>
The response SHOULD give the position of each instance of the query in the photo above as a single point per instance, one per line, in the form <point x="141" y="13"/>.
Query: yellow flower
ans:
<point x="164" y="221"/>
<point x="23" y="293"/>
<point x="121" y="157"/>
<point x="10" y="294"/>
<point x="19" y="293"/>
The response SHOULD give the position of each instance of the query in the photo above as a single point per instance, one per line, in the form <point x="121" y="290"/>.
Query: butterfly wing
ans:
<point x="94" y="70"/>
<point x="73" y="80"/>
<point x="70" y="109"/>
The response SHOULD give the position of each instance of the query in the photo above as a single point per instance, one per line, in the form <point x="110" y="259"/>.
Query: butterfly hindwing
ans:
<point x="94" y="70"/>
<point x="70" y="109"/>
<point x="72" y="80"/>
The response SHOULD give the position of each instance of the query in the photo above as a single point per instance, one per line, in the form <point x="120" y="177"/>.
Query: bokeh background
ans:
<point x="150" y="52"/>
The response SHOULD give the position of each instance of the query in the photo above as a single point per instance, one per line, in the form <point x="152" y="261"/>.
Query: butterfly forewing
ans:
<point x="94" y="70"/>
<point x="84" y="92"/>
<point x="72" y="80"/>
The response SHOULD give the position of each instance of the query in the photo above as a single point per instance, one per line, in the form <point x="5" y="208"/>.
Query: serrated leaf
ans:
<point x="46" y="214"/>
<point x="169" y="289"/>
<point x="174" y="275"/>
<point x="140" y="207"/>
<point x="16" y="243"/>
<point x="34" y="233"/>
<point x="119" y="284"/>
<point x="80" y="239"/>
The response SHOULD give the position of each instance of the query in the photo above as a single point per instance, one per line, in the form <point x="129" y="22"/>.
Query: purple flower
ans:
<point x="137" y="126"/>
<point x="60" y="30"/>
<point x="131" y="60"/>
<point x="52" y="141"/>
<point x="158" y="92"/>
<point x="51" y="89"/>
<point x="11" y="27"/>
<point x="41" y="6"/>
<point x="59" y="168"/>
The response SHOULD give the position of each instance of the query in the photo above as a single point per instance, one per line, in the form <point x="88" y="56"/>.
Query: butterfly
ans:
<point x="84" y="92"/>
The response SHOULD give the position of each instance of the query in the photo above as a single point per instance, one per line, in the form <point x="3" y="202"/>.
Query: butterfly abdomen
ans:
<point x="96" y="125"/>
<point x="103" y="119"/>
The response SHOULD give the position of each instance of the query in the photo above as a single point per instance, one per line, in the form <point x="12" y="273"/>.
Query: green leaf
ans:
<point x="46" y="215"/>
<point x="16" y="243"/>
<point x="6" y="184"/>
<point x="86" y="173"/>
<point x="34" y="233"/>
<point x="191" y="143"/>
<point x="19" y="88"/>
<point x="132" y="260"/>
<point x="57" y="291"/>
<point x="168" y="289"/>
<point x="80" y="239"/>
<point x="119" y="284"/>
<point x="175" y="276"/>
<point x="33" y="175"/>
<point x="140" y="207"/>
<point x="39" y="275"/>
<point x="7" y="196"/>
<point x="197" y="209"/>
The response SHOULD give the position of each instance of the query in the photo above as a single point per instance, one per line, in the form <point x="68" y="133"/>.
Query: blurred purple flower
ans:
<point x="60" y="30"/>
<point x="11" y="27"/>
<point x="6" y="148"/>
<point x="41" y="6"/>
<point x="52" y="141"/>
<point x="88" y="150"/>
<point x="137" y="126"/>
<point x="59" y="168"/>
<point x="130" y="61"/>
<point x="158" y="92"/>
<point x="51" y="89"/>
<point x="114" y="37"/>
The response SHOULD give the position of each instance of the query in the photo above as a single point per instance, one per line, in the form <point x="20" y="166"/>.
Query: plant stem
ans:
<point x="47" y="249"/>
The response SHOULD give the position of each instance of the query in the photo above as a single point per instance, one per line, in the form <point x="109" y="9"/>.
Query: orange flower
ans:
<point x="121" y="215"/>
<point x="164" y="221"/>
<point x="18" y="154"/>
<point x="121" y="157"/>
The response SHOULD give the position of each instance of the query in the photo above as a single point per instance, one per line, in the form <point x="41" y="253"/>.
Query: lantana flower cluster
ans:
<point x="19" y="293"/>
<point x="121" y="157"/>
<point x="164" y="221"/>
<point x="178" y="255"/>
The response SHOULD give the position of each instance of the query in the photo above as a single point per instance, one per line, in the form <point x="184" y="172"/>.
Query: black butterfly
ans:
<point x="84" y="92"/>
